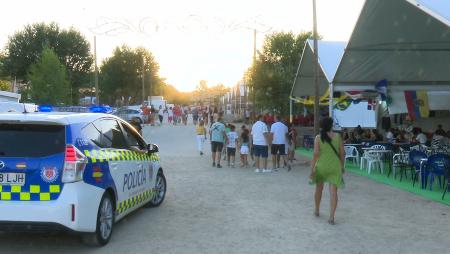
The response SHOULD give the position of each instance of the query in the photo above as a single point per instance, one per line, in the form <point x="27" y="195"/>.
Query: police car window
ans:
<point x="133" y="139"/>
<point x="93" y="133"/>
<point x="21" y="140"/>
<point x="112" y="135"/>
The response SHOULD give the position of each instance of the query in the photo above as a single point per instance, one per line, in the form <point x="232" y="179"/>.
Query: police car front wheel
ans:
<point x="160" y="191"/>
<point x="105" y="222"/>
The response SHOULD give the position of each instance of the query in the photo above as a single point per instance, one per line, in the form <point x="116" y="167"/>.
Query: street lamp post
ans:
<point x="143" y="80"/>
<point x="316" y="80"/>
<point x="253" y="86"/>
<point x="97" y="98"/>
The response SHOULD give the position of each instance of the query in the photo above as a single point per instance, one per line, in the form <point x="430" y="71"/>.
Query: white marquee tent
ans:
<point x="406" y="42"/>
<point x="330" y="53"/>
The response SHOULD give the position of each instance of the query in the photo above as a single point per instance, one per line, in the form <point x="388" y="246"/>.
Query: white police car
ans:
<point x="81" y="172"/>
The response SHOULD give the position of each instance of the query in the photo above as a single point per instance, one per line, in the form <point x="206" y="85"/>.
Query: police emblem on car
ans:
<point x="2" y="164"/>
<point x="49" y="174"/>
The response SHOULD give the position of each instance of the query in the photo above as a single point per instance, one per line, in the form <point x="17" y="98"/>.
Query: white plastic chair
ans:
<point x="351" y="152"/>
<point x="378" y="147"/>
<point x="372" y="157"/>
<point x="364" y="156"/>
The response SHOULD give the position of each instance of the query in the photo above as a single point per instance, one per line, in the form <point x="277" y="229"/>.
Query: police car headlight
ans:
<point x="74" y="165"/>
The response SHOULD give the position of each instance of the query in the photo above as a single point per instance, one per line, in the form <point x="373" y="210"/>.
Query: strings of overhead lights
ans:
<point x="114" y="26"/>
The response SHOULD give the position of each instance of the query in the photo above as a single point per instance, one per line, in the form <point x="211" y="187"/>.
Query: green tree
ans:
<point x="24" y="48"/>
<point x="121" y="75"/>
<point x="48" y="81"/>
<point x="274" y="70"/>
<point x="5" y="85"/>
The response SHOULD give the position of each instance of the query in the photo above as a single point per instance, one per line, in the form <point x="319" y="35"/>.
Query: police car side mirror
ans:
<point x="152" y="148"/>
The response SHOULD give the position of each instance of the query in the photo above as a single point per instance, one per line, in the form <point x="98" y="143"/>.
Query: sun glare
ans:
<point x="192" y="40"/>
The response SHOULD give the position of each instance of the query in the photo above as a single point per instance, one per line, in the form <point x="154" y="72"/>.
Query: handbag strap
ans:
<point x="334" y="149"/>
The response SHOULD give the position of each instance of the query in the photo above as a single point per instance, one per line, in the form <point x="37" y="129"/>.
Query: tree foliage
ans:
<point x="172" y="95"/>
<point x="121" y="75"/>
<point x="274" y="70"/>
<point x="24" y="48"/>
<point x="204" y="93"/>
<point x="48" y="81"/>
<point x="5" y="85"/>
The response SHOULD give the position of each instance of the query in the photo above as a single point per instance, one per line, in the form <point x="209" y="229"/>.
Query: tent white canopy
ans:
<point x="406" y="42"/>
<point x="330" y="53"/>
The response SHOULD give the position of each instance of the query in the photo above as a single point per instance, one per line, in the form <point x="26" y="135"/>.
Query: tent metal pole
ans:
<point x="316" y="78"/>
<point x="290" y="110"/>
<point x="330" y="108"/>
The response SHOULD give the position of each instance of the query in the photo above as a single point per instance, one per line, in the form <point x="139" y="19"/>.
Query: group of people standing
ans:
<point x="174" y="114"/>
<point x="255" y="142"/>
<point x="224" y="140"/>
<point x="177" y="114"/>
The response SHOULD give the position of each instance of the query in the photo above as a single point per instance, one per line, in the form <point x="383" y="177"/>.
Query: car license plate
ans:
<point x="12" y="178"/>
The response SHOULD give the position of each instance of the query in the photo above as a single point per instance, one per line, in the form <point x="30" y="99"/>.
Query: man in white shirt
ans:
<point x="260" y="144"/>
<point x="422" y="138"/>
<point x="279" y="133"/>
<point x="390" y="136"/>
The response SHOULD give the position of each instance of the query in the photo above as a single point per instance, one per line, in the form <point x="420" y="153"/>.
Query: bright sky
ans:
<point x="191" y="39"/>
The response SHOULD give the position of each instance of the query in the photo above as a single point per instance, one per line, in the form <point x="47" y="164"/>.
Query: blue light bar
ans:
<point x="100" y="109"/>
<point x="45" y="108"/>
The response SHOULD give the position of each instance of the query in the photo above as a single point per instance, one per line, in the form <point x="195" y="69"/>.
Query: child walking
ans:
<point x="201" y="136"/>
<point x="231" y="145"/>
<point x="224" y="151"/>
<point x="291" y="142"/>
<point x="244" y="140"/>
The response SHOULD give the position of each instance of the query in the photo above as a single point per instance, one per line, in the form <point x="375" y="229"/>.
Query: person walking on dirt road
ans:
<point x="260" y="144"/>
<point x="327" y="165"/>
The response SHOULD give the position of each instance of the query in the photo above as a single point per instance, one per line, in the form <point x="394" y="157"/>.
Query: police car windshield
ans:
<point x="31" y="140"/>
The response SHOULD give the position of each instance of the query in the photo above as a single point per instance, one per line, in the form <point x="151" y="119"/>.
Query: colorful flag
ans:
<point x="343" y="104"/>
<point x="417" y="104"/>
<point x="422" y="103"/>
<point x="410" y="96"/>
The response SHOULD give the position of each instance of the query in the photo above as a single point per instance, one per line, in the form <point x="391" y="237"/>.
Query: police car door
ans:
<point x="138" y="182"/>
<point x="121" y="166"/>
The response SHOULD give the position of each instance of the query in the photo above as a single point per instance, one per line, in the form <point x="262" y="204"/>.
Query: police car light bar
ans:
<point x="74" y="165"/>
<point x="100" y="109"/>
<point x="45" y="108"/>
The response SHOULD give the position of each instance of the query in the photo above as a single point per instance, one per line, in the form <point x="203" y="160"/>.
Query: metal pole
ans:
<point x="150" y="88"/>
<point x="240" y="101"/>
<point x="316" y="79"/>
<point x="330" y="108"/>
<point x="253" y="87"/>
<point x="143" y="80"/>
<point x="290" y="110"/>
<point x="97" y="97"/>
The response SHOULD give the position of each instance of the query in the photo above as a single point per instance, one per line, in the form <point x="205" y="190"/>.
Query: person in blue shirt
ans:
<point x="218" y="138"/>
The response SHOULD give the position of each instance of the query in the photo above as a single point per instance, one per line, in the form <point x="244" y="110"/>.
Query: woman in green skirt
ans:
<point x="327" y="165"/>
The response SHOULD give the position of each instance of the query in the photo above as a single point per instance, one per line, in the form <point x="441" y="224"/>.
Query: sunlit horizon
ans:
<point x="191" y="40"/>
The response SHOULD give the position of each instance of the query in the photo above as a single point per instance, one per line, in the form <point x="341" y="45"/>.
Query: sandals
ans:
<point x="330" y="221"/>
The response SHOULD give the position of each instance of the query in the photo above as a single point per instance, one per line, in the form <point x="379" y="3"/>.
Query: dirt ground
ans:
<point x="234" y="210"/>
